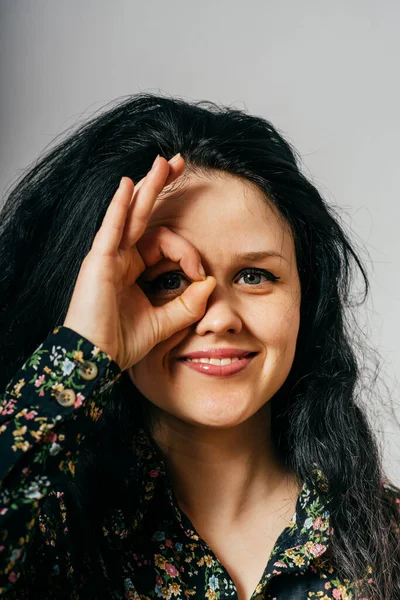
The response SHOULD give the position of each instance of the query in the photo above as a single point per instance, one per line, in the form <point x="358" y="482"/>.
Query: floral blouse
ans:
<point x="159" y="555"/>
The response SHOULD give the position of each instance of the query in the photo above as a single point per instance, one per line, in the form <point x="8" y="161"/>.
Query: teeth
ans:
<point x="214" y="361"/>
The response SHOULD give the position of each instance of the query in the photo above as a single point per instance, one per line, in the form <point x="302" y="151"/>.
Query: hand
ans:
<point x="107" y="306"/>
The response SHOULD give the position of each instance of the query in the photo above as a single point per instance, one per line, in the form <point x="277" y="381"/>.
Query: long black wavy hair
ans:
<point x="47" y="226"/>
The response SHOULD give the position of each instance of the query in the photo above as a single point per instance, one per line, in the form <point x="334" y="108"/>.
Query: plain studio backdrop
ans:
<point x="325" y="73"/>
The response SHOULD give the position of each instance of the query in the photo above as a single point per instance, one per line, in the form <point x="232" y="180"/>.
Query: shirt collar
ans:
<point x="305" y="539"/>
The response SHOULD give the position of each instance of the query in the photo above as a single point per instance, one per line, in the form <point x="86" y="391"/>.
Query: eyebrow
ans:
<point x="256" y="256"/>
<point x="246" y="256"/>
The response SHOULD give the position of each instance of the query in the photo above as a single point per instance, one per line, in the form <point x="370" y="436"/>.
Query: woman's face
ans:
<point x="223" y="217"/>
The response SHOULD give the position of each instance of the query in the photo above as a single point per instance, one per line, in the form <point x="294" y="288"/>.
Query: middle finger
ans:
<point x="163" y="243"/>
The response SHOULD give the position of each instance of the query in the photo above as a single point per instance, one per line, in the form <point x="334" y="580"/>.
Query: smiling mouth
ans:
<point x="216" y="367"/>
<point x="218" y="361"/>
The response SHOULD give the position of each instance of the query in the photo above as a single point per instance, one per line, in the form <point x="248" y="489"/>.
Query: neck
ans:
<point x="237" y="468"/>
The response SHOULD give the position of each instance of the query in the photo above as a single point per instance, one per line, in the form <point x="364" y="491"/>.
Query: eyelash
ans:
<point x="153" y="284"/>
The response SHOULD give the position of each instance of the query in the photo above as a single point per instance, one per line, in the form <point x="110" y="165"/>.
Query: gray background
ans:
<point x="325" y="73"/>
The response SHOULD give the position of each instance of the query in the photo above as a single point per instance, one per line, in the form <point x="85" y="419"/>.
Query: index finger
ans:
<point x="175" y="169"/>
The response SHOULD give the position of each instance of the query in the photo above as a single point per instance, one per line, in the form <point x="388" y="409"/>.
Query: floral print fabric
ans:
<point x="44" y="413"/>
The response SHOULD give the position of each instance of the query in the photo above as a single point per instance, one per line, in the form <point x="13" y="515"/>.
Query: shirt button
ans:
<point x="66" y="397"/>
<point x="88" y="370"/>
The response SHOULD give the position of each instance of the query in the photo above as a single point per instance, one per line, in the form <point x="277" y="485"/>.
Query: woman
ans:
<point x="166" y="434"/>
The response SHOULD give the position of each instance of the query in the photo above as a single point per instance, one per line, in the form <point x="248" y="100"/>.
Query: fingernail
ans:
<point x="174" y="159"/>
<point x="156" y="161"/>
<point x="202" y="271"/>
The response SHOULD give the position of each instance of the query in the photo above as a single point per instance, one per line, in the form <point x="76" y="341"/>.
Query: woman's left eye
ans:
<point x="261" y="273"/>
<point x="174" y="277"/>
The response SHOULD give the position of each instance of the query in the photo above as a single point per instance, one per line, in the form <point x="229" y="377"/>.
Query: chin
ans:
<point x="219" y="415"/>
<point x="224" y="424"/>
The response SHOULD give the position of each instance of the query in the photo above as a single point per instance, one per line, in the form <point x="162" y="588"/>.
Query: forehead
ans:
<point x="219" y="207"/>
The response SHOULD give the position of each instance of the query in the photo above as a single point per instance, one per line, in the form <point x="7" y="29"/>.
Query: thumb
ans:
<point x="185" y="309"/>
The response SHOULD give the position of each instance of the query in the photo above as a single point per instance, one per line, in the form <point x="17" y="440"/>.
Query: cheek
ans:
<point x="279" y="324"/>
<point x="145" y="371"/>
<point x="142" y="370"/>
<point x="140" y="374"/>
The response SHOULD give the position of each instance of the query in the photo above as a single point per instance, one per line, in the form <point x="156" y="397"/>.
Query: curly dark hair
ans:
<point x="47" y="226"/>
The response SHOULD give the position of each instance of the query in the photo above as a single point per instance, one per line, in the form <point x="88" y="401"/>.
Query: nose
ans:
<point x="221" y="314"/>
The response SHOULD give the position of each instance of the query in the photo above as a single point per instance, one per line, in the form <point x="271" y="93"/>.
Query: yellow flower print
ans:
<point x="343" y="592"/>
<point x="78" y="355"/>
<point x="330" y="569"/>
<point x="20" y="431"/>
<point x="209" y="560"/>
<point x="149" y="487"/>
<point x="290" y="552"/>
<point x="57" y="387"/>
<point x="17" y="387"/>
<point x="95" y="411"/>
<point x="47" y="370"/>
<point x="24" y="446"/>
<point x="298" y="560"/>
<point x="308" y="547"/>
<point x="165" y="593"/>
<point x="211" y="595"/>
<point x="324" y="525"/>
<point x="200" y="562"/>
<point x="188" y="559"/>
<point x="174" y="588"/>
<point x="160" y="561"/>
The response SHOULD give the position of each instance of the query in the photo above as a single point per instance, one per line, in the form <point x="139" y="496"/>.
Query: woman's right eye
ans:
<point x="166" y="283"/>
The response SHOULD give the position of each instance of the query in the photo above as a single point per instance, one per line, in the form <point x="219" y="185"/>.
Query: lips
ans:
<point x="220" y="370"/>
<point x="218" y="353"/>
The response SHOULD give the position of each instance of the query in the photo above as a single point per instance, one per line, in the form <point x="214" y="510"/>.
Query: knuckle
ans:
<point x="117" y="226"/>
<point x="186" y="307"/>
<point x="152" y="188"/>
<point x="138" y="259"/>
<point x="156" y="329"/>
